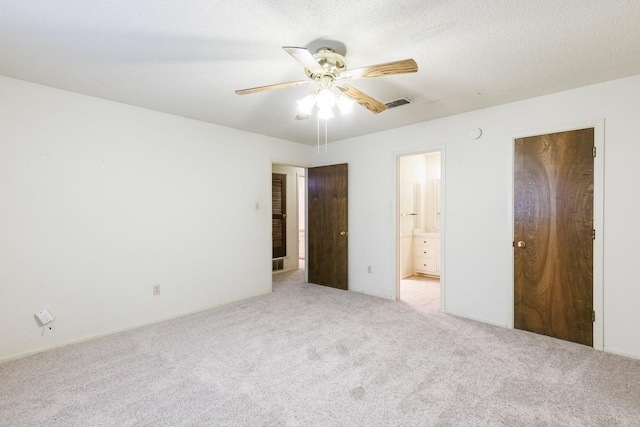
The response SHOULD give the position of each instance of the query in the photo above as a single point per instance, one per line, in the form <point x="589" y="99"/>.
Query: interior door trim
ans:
<point x="598" y="126"/>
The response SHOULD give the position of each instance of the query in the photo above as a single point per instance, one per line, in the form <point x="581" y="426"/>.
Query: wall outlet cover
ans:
<point x="44" y="317"/>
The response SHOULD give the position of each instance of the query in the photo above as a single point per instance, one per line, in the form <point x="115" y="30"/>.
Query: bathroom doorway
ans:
<point x="419" y="229"/>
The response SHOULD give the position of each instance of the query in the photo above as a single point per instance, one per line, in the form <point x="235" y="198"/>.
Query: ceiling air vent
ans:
<point x="399" y="102"/>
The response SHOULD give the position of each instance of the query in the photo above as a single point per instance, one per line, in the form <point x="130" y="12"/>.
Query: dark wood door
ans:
<point x="327" y="225"/>
<point x="279" y="214"/>
<point x="553" y="235"/>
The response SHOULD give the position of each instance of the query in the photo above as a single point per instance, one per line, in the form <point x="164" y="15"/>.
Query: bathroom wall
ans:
<point x="411" y="180"/>
<point x="431" y="215"/>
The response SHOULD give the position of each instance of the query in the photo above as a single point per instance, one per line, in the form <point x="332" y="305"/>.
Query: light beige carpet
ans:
<point x="308" y="355"/>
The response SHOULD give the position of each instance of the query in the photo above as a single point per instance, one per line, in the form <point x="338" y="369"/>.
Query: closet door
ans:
<point x="553" y="235"/>
<point x="279" y="214"/>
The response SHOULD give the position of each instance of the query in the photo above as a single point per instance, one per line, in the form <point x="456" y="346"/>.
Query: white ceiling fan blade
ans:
<point x="304" y="57"/>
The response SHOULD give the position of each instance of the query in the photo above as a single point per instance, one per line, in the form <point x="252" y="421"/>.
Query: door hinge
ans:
<point x="594" y="151"/>
<point x="593" y="234"/>
<point x="593" y="316"/>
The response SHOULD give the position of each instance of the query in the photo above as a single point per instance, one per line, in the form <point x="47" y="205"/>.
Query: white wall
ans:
<point x="100" y="201"/>
<point x="476" y="195"/>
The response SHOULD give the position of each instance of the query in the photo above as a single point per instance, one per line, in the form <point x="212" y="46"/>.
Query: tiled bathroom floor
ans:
<point x="419" y="290"/>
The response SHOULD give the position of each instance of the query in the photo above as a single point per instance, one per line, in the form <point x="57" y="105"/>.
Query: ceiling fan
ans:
<point x="328" y="69"/>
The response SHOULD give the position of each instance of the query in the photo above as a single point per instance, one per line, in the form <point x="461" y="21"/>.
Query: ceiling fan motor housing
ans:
<point x="333" y="64"/>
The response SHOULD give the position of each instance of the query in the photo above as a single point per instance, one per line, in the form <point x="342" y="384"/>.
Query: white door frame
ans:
<point x="598" y="221"/>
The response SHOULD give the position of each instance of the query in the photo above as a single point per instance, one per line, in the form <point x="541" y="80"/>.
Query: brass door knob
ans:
<point x="343" y="233"/>
<point x="521" y="244"/>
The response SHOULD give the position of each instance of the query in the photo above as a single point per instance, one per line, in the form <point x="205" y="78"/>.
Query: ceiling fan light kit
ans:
<point x="324" y="100"/>
<point x="306" y="104"/>
<point x="344" y="104"/>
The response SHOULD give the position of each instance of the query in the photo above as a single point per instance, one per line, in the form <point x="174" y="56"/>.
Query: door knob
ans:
<point x="343" y="233"/>
<point x="521" y="244"/>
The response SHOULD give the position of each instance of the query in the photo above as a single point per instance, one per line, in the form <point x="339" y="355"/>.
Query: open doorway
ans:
<point x="302" y="220"/>
<point x="288" y="218"/>
<point x="419" y="229"/>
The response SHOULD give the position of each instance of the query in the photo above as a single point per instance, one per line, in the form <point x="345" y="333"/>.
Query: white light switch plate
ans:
<point x="44" y="317"/>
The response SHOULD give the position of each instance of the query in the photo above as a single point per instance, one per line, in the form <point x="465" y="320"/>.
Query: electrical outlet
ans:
<point x="156" y="289"/>
<point x="369" y="269"/>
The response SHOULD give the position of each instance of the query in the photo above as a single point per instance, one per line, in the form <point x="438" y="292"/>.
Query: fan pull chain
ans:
<point x="326" y="124"/>
<point x="326" y="132"/>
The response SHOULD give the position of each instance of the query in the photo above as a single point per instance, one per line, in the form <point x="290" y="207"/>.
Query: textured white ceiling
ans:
<point x="187" y="58"/>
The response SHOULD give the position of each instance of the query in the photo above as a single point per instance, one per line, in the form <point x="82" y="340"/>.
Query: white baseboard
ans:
<point x="475" y="319"/>
<point x="621" y="353"/>
<point x="373" y="294"/>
